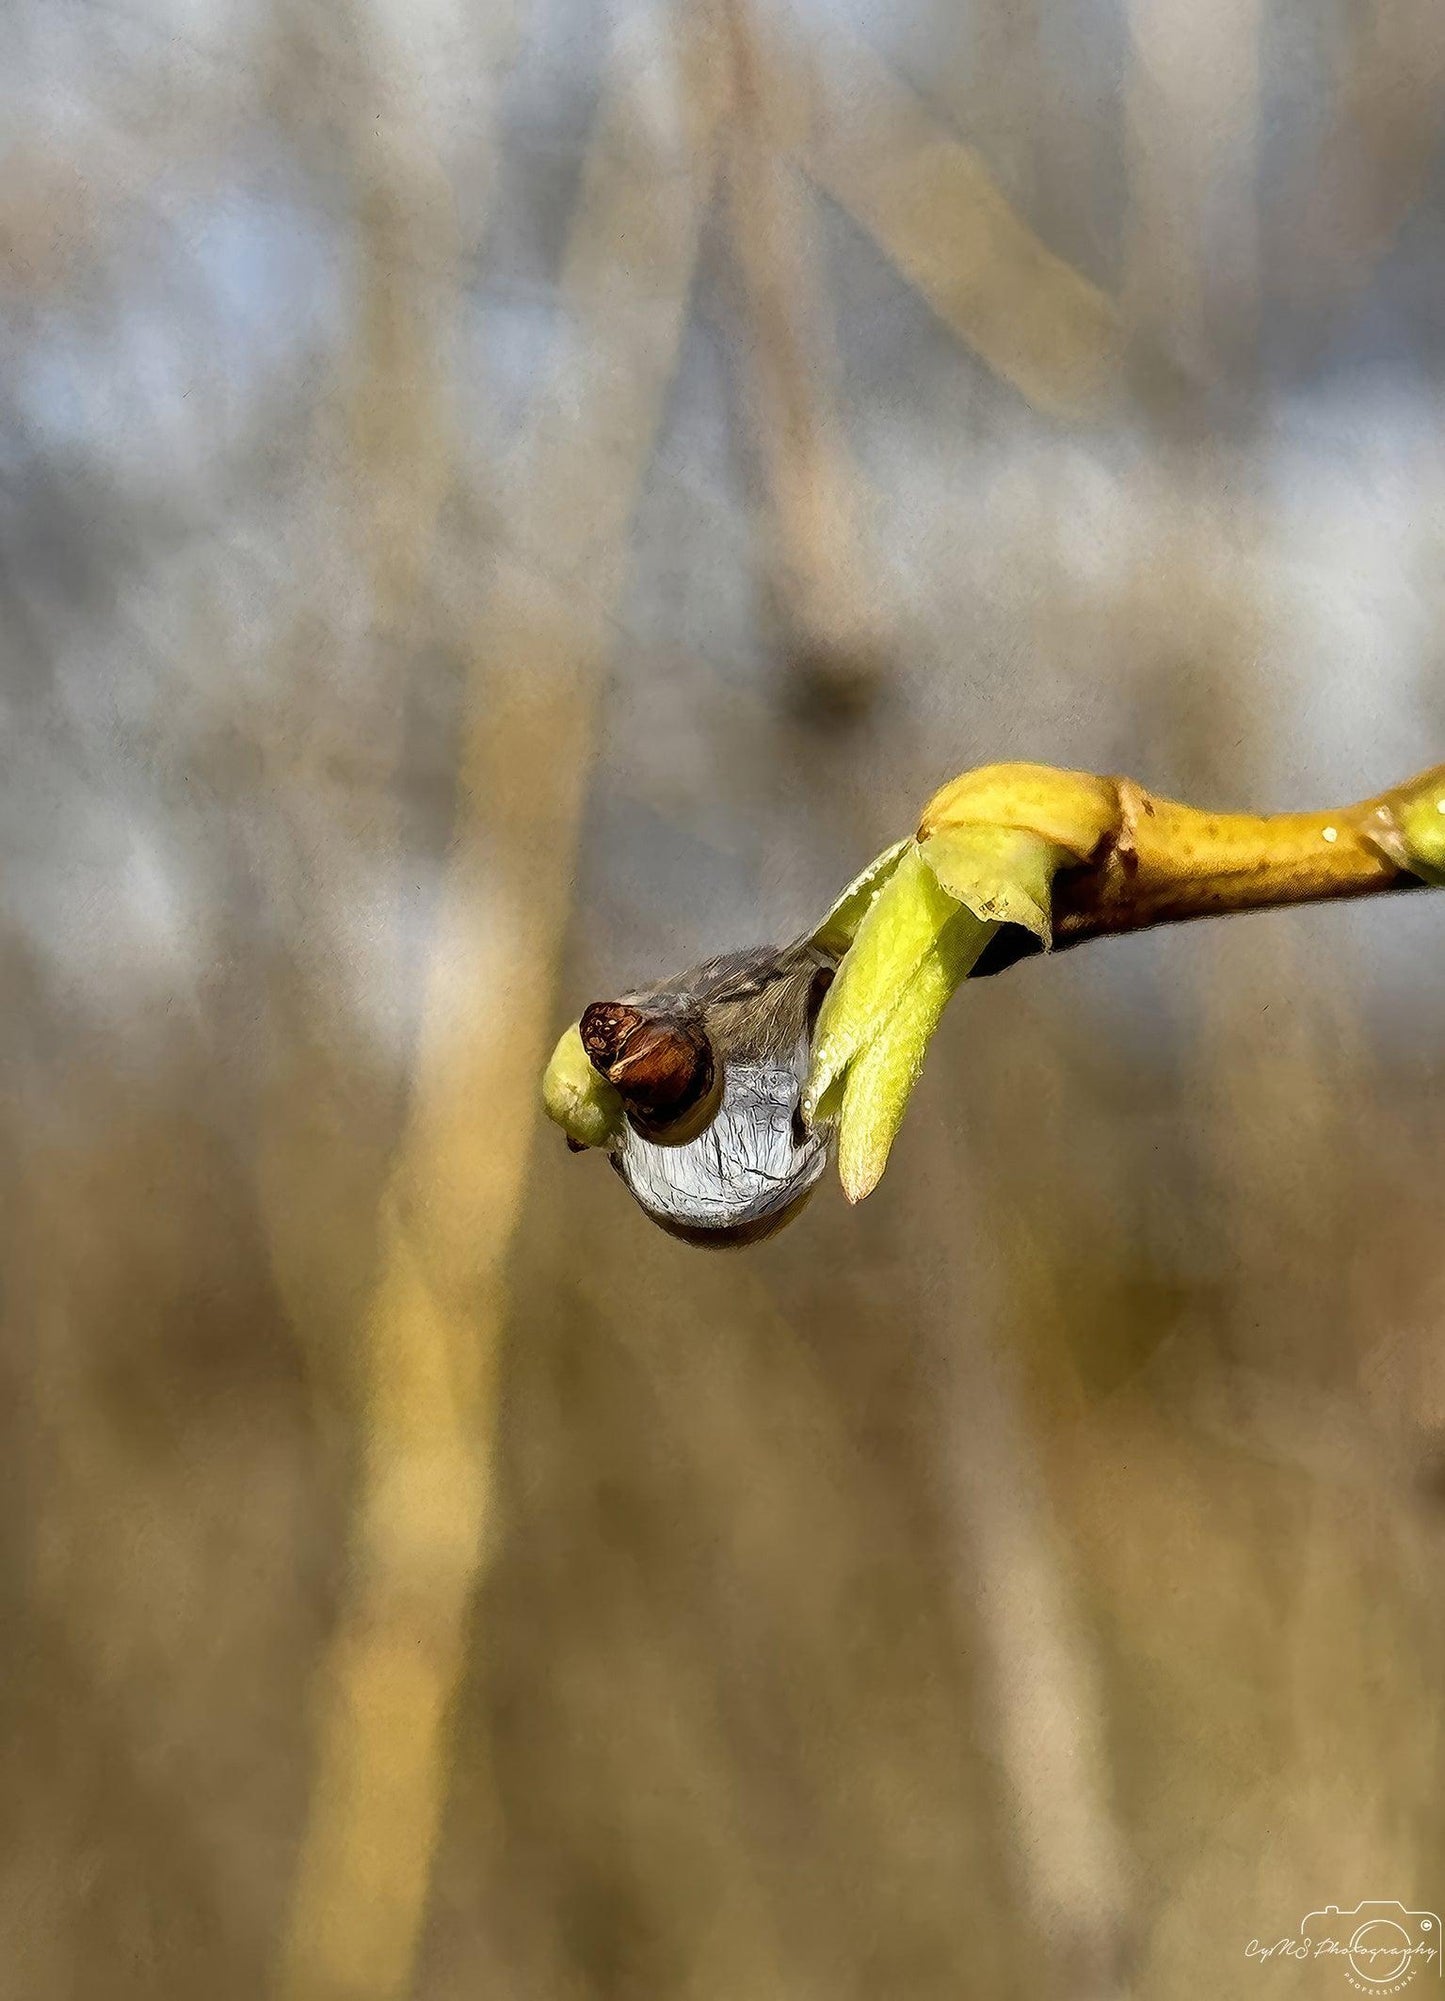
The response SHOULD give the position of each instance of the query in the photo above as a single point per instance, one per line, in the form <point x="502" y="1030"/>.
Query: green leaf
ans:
<point x="839" y="927"/>
<point x="917" y="939"/>
<point x="1001" y="874"/>
<point x="881" y="1078"/>
<point x="900" y="927"/>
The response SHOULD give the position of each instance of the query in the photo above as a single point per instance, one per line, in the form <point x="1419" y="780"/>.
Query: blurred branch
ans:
<point x="1191" y="125"/>
<point x="360" y="1881"/>
<point x="833" y="644"/>
<point x="1375" y="158"/>
<point x="48" y="221"/>
<point x="934" y="210"/>
<point x="366" y="619"/>
<point x="435" y="1324"/>
<point x="1017" y="1603"/>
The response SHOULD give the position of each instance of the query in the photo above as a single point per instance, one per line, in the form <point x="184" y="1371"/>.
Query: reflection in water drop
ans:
<point x="747" y="1174"/>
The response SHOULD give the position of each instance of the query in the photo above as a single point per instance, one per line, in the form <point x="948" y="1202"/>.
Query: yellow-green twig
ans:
<point x="1140" y="860"/>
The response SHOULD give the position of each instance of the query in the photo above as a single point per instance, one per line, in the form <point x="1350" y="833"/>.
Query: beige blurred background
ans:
<point x="497" y="502"/>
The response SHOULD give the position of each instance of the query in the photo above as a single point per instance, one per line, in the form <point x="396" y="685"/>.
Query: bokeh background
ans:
<point x="498" y="501"/>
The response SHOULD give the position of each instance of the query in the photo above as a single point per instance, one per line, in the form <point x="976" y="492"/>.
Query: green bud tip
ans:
<point x="574" y="1097"/>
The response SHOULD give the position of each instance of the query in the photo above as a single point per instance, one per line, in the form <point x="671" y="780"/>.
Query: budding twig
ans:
<point x="1008" y="860"/>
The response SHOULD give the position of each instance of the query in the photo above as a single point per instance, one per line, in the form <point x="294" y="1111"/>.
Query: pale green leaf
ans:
<point x="880" y="1079"/>
<point x="1001" y="874"/>
<point x="839" y="927"/>
<point x="899" y="929"/>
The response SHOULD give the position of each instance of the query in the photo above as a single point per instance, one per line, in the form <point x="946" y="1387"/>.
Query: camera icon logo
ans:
<point x="1383" y="1945"/>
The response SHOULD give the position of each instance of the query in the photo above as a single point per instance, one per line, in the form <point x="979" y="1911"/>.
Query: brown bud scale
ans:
<point x="661" y="1065"/>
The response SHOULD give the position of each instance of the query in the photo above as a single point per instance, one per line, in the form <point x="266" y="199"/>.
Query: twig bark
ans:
<point x="1155" y="861"/>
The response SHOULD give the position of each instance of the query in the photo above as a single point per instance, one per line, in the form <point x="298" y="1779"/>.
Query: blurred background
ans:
<point x="499" y="502"/>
